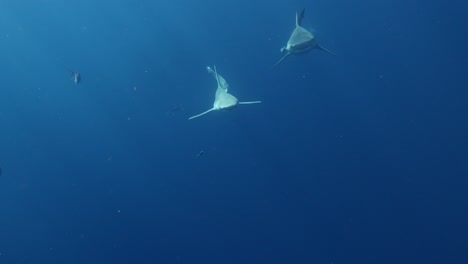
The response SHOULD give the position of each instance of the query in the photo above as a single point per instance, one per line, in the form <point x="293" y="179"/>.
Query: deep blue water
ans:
<point x="356" y="158"/>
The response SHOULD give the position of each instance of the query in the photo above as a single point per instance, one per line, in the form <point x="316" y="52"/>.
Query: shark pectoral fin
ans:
<point x="251" y="102"/>
<point x="206" y="112"/>
<point x="282" y="58"/>
<point x="326" y="50"/>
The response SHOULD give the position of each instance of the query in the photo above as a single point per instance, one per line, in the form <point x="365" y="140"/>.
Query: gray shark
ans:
<point x="76" y="77"/>
<point x="223" y="99"/>
<point x="301" y="41"/>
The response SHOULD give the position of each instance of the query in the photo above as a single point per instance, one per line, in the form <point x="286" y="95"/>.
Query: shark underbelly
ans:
<point x="303" y="48"/>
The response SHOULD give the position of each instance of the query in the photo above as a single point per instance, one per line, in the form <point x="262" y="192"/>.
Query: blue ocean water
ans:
<point x="355" y="158"/>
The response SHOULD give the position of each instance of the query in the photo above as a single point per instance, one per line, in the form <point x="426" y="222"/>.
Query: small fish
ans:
<point x="200" y="153"/>
<point x="76" y="77"/>
<point x="174" y="110"/>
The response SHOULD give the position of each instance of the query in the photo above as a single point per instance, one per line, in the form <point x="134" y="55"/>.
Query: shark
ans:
<point x="223" y="99"/>
<point x="76" y="77"/>
<point x="301" y="41"/>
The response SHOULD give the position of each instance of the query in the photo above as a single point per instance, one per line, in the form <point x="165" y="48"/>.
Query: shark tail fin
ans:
<point x="282" y="58"/>
<point x="204" y="113"/>
<point x="251" y="102"/>
<point x="326" y="50"/>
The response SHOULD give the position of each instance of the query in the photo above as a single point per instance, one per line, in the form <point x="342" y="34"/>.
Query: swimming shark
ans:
<point x="223" y="99"/>
<point x="301" y="41"/>
<point x="76" y="77"/>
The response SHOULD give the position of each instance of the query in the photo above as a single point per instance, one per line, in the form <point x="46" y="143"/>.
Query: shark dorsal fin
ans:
<point x="300" y="18"/>
<point x="216" y="75"/>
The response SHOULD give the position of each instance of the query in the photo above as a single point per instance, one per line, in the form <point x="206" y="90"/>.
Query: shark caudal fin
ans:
<point x="204" y="113"/>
